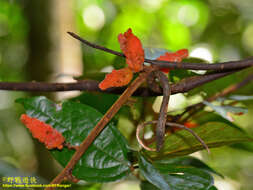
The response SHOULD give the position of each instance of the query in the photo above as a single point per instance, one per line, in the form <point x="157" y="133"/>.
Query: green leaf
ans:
<point x="225" y="111"/>
<point x="246" y="146"/>
<point x="119" y="62"/>
<point x="99" y="101"/>
<point x="105" y="160"/>
<point x="174" y="176"/>
<point x="213" y="188"/>
<point x="214" y="134"/>
<point x="145" y="185"/>
<point x="188" y="161"/>
<point x="152" y="174"/>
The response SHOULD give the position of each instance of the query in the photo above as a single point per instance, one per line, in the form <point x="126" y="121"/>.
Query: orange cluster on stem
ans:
<point x="132" y="48"/>
<point x="43" y="132"/>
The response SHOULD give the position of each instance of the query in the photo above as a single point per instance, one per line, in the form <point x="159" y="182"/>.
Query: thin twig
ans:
<point x="231" y="65"/>
<point x="191" y="131"/>
<point x="160" y="128"/>
<point x="171" y="124"/>
<point x="101" y="125"/>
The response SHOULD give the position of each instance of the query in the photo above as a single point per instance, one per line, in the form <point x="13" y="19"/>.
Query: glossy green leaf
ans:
<point x="152" y="174"/>
<point x="106" y="158"/>
<point x="214" y="134"/>
<point x="174" y="176"/>
<point x="225" y="111"/>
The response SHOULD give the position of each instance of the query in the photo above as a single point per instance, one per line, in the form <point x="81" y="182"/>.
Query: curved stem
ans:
<point x="171" y="124"/>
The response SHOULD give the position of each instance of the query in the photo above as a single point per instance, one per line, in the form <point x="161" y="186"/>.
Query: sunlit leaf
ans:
<point x="214" y="134"/>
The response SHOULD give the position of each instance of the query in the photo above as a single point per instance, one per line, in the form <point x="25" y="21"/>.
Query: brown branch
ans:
<point x="231" y="65"/>
<point x="231" y="88"/>
<point x="193" y="109"/>
<point x="160" y="127"/>
<point x="91" y="85"/>
<point x="101" y="125"/>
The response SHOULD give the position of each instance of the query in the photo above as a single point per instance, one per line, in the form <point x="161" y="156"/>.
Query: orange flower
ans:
<point x="43" y="132"/>
<point x="117" y="78"/>
<point x="132" y="48"/>
<point x="173" y="57"/>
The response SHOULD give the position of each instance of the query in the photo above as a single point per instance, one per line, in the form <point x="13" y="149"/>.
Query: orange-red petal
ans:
<point x="132" y="48"/>
<point x="173" y="57"/>
<point x="43" y="132"/>
<point x="116" y="78"/>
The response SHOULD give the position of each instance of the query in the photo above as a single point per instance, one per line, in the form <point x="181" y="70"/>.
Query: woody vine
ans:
<point x="158" y="162"/>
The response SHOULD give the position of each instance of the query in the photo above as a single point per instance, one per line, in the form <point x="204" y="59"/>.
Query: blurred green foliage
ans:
<point x="214" y="29"/>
